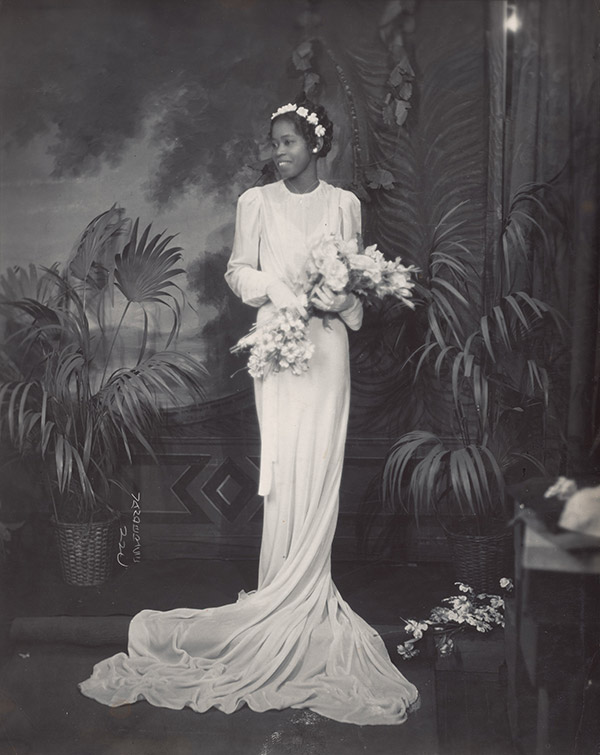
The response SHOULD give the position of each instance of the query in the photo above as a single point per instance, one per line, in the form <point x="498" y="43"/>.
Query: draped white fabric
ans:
<point x="294" y="642"/>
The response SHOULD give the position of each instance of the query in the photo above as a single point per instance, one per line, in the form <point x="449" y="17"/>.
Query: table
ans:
<point x="552" y="635"/>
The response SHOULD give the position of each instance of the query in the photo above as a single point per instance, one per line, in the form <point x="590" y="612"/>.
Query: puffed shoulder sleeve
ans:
<point x="350" y="226"/>
<point x="242" y="275"/>
<point x="350" y="215"/>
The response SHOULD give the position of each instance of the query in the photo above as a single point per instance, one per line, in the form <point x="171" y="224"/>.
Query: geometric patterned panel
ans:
<point x="181" y="486"/>
<point x="201" y="488"/>
<point x="201" y="499"/>
<point x="227" y="493"/>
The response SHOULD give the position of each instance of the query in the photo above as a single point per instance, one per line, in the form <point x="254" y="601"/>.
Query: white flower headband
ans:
<point x="312" y="118"/>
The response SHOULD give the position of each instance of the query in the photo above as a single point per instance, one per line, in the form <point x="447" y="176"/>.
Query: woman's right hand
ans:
<point x="327" y="300"/>
<point x="283" y="297"/>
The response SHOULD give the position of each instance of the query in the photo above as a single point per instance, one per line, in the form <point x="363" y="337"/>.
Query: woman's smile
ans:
<point x="290" y="151"/>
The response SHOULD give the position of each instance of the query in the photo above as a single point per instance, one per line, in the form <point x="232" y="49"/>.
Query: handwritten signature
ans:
<point x="136" y="516"/>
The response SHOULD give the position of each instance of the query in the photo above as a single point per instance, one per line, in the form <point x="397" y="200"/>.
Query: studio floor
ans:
<point x="58" y="633"/>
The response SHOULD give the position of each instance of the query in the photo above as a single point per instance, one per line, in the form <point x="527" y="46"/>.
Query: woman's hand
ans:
<point x="326" y="300"/>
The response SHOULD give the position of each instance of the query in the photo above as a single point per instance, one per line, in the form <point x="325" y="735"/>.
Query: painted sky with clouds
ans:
<point x="157" y="106"/>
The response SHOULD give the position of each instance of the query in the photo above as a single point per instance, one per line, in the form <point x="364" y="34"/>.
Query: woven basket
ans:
<point x="87" y="551"/>
<point x="481" y="560"/>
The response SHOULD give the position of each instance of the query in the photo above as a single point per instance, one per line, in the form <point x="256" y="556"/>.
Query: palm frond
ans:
<point x="145" y="269"/>
<point x="90" y="259"/>
<point x="144" y="273"/>
<point x="19" y="284"/>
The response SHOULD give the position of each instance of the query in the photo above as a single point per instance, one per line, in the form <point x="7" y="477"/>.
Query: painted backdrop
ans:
<point x="162" y="107"/>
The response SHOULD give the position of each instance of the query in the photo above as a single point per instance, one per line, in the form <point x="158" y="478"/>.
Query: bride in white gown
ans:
<point x="294" y="642"/>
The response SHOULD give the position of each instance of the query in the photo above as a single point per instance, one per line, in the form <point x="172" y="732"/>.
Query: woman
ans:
<point x="294" y="642"/>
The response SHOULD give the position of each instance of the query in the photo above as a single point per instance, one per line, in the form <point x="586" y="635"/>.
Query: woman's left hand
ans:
<point x="326" y="300"/>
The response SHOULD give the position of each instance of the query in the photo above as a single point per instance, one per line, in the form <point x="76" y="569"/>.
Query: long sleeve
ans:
<point x="350" y="215"/>
<point x="350" y="226"/>
<point x="243" y="275"/>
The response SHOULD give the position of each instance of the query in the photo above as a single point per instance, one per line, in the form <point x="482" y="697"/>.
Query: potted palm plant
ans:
<point x="71" y="399"/>
<point x="486" y="355"/>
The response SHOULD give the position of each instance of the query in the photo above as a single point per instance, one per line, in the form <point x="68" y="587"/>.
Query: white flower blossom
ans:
<point x="367" y="266"/>
<point x="407" y="650"/>
<point x="335" y="275"/>
<point x="416" y="628"/>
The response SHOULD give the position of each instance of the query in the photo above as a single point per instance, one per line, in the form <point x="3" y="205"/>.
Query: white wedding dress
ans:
<point x="294" y="642"/>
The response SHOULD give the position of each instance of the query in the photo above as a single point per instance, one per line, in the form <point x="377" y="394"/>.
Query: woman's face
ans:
<point x="290" y="150"/>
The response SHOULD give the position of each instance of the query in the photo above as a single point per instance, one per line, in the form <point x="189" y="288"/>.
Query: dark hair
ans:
<point x="306" y="129"/>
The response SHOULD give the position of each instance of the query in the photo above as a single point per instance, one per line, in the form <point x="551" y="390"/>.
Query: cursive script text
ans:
<point x="136" y="513"/>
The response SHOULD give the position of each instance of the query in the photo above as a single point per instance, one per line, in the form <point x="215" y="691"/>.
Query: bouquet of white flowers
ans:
<point x="341" y="267"/>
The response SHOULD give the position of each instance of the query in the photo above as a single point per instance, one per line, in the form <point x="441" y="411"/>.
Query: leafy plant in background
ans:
<point x="415" y="173"/>
<point x="490" y="348"/>
<point x="472" y="381"/>
<point x="68" y="397"/>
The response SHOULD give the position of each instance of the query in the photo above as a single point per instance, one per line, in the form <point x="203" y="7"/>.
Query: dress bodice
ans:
<point x="275" y="230"/>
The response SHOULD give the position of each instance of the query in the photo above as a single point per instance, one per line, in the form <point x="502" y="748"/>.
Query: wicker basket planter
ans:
<point x="481" y="560"/>
<point x="87" y="551"/>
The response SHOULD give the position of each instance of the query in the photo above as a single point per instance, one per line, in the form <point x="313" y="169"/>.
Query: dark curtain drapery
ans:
<point x="553" y="135"/>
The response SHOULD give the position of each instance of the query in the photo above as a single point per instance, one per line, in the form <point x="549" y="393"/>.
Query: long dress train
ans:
<point x="294" y="642"/>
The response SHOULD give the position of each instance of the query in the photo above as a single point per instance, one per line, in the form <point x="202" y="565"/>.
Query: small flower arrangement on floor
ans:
<point x="340" y="267"/>
<point x="468" y="609"/>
